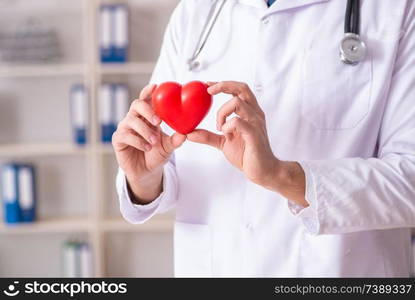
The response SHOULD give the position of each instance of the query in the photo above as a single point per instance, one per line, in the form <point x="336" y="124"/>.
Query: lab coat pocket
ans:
<point x="335" y="96"/>
<point x="192" y="250"/>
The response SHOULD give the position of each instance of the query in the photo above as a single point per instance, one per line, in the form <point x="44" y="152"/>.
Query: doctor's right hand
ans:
<point x="142" y="149"/>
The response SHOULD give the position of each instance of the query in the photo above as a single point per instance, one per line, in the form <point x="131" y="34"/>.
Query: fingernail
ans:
<point x="147" y="147"/>
<point x="153" y="139"/>
<point x="155" y="120"/>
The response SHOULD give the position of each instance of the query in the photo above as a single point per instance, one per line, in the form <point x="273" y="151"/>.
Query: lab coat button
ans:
<point x="265" y="21"/>
<point x="258" y="87"/>
<point x="249" y="226"/>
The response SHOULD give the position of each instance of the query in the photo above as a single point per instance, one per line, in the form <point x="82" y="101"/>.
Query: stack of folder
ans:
<point x="18" y="193"/>
<point x="113" y="33"/>
<point x="79" y="113"/>
<point x="113" y="106"/>
<point x="77" y="260"/>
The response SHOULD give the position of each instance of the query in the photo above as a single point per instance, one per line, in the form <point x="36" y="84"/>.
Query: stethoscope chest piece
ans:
<point x="352" y="49"/>
<point x="193" y="64"/>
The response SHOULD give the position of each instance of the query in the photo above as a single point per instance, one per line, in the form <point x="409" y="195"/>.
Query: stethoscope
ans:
<point x="352" y="47"/>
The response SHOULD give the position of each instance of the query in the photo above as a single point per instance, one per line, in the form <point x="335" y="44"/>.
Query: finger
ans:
<point x="206" y="137"/>
<point x="235" y="105"/>
<point x="147" y="91"/>
<point x="144" y="109"/>
<point x="121" y="139"/>
<point x="210" y="83"/>
<point x="237" y="125"/>
<point x="171" y="143"/>
<point x="142" y="129"/>
<point x="237" y="89"/>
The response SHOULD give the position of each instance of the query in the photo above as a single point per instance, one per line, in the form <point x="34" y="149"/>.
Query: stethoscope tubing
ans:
<point x="351" y="30"/>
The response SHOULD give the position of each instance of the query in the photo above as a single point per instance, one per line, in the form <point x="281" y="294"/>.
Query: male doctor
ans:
<point x="305" y="166"/>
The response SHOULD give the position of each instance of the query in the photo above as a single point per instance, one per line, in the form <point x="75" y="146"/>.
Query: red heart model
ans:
<point x="182" y="107"/>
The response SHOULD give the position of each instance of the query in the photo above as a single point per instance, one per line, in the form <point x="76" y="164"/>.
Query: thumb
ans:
<point x="173" y="142"/>
<point x="206" y="137"/>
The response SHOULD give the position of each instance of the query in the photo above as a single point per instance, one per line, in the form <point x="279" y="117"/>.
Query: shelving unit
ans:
<point x="95" y="224"/>
<point x="30" y="150"/>
<point x="49" y="225"/>
<point x="42" y="71"/>
<point x="141" y="68"/>
<point x="82" y="224"/>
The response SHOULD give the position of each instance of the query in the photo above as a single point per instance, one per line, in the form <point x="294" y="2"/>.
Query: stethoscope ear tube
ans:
<point x="192" y="62"/>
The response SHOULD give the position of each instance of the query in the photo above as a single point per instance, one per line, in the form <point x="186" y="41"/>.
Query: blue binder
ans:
<point x="121" y="102"/>
<point x="106" y="112"/>
<point x="27" y="193"/>
<point x="10" y="193"/>
<point x="106" y="34"/>
<point x="79" y="113"/>
<point x="113" y="108"/>
<point x="120" y="28"/>
<point x="114" y="33"/>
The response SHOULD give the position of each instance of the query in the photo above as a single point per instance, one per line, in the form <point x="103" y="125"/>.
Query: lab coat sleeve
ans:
<point x="165" y="70"/>
<point x="356" y="194"/>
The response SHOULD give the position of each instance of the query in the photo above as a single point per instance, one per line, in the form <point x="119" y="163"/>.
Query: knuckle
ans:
<point x="123" y="123"/>
<point x="236" y="121"/>
<point x="134" y="103"/>
<point x="141" y="105"/>
<point x="114" y="137"/>
<point x="237" y="103"/>
<point x="219" y="113"/>
<point x="128" y="119"/>
<point x="145" y="108"/>
<point x="141" y="143"/>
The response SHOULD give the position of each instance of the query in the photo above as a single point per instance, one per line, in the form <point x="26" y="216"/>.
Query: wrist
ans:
<point x="145" y="189"/>
<point x="288" y="179"/>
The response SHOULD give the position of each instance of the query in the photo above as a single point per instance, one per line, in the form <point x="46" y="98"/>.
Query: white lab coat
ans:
<point x="352" y="128"/>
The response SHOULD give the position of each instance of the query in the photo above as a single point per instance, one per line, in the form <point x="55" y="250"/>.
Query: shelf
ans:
<point x="11" y="71"/>
<point x="139" y="68"/>
<point x="66" y="224"/>
<point x="24" y="150"/>
<point x="106" y="149"/>
<point x="157" y="224"/>
<point x="48" y="225"/>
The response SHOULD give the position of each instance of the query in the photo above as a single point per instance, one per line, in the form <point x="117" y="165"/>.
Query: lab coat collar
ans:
<point x="280" y="5"/>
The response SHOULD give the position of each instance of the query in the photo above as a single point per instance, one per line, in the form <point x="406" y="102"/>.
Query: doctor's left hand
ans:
<point x="245" y="143"/>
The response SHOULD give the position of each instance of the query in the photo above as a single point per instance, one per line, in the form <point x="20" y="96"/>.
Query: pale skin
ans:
<point x="142" y="149"/>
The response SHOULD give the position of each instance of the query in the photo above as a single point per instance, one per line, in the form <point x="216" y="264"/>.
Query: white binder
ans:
<point x="120" y="15"/>
<point x="121" y="98"/>
<point x="10" y="196"/>
<point x="70" y="260"/>
<point x="85" y="259"/>
<point x="105" y="32"/>
<point x="79" y="112"/>
<point x="106" y="107"/>
<point x="26" y="193"/>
